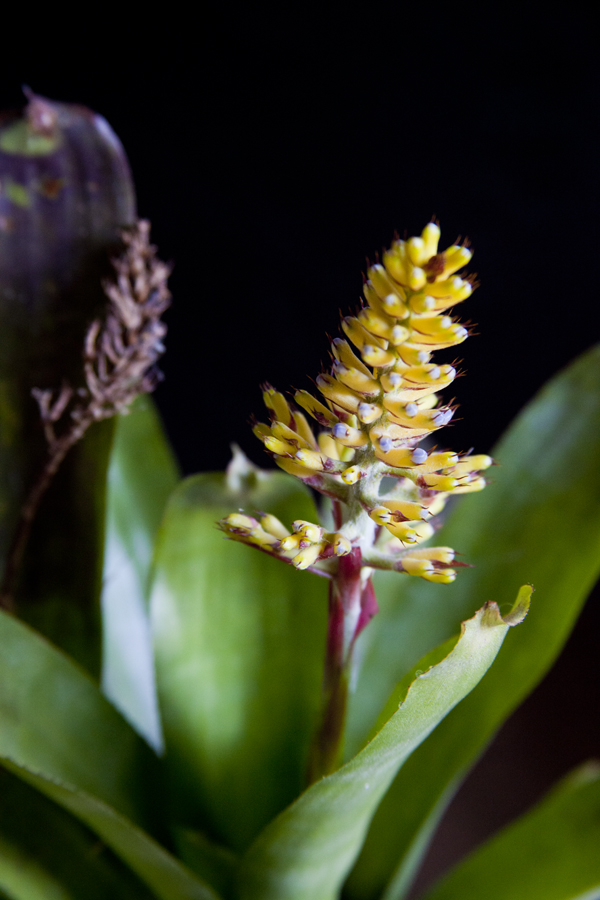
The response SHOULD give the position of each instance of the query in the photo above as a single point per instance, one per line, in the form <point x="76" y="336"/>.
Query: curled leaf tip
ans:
<point x="520" y="606"/>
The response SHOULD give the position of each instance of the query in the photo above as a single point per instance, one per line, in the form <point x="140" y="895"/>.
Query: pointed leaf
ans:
<point x="239" y="641"/>
<point x="539" y="521"/>
<point x="46" y="854"/>
<point x="141" y="475"/>
<point x="551" y="853"/>
<point x="59" y="734"/>
<point x="307" y="851"/>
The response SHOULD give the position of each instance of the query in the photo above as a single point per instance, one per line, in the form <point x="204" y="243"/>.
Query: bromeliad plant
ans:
<point x="380" y="406"/>
<point x="236" y="764"/>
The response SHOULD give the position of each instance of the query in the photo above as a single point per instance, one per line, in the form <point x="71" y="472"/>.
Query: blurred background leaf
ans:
<point x="239" y="641"/>
<point x="551" y="853"/>
<point x="141" y="475"/>
<point x="46" y="854"/>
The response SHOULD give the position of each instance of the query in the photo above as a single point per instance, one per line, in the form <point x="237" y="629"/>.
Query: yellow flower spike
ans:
<point x="456" y="289"/>
<point x="404" y="531"/>
<point x="383" y="285"/>
<point x="381" y="515"/>
<point x="399" y="335"/>
<point x="417" y="279"/>
<point x="278" y="404"/>
<point x="467" y="464"/>
<point x="377" y="356"/>
<point x="308" y="556"/>
<point x="287" y="434"/>
<point x="437" y="482"/>
<point x="356" y="380"/>
<point x="427" y="402"/>
<point x="421" y="249"/>
<point x="396" y="263"/>
<point x="341" y="545"/>
<point x="344" y="354"/>
<point x="262" y="539"/>
<point x="410" y="510"/>
<point x="438" y="554"/>
<point x="352" y="474"/>
<point x="440" y="576"/>
<point x="261" y="431"/>
<point x="393" y="306"/>
<point x="384" y="294"/>
<point x="333" y="449"/>
<point x="338" y="393"/>
<point x="291" y="542"/>
<point x="247" y="530"/>
<point x="477" y="484"/>
<point x="348" y="436"/>
<point x="377" y="323"/>
<point x="239" y="520"/>
<point x="388" y="438"/>
<point x="369" y="412"/>
<point x="455" y="257"/>
<point x="423" y="568"/>
<point x="293" y="468"/>
<point x="311" y="459"/>
<point x="417" y="251"/>
<point x="315" y="408"/>
<point x="308" y="530"/>
<point x="430" y="374"/>
<point x="304" y="430"/>
<point x="440" y="461"/>
<point x="272" y="525"/>
<point x="281" y="448"/>
<point x="413" y="354"/>
<point x="359" y="335"/>
<point x="412" y="417"/>
<point x="431" y="236"/>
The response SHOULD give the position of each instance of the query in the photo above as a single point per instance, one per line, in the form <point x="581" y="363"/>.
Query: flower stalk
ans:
<point x="380" y="403"/>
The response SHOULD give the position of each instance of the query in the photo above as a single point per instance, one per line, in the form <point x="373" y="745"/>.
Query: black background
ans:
<point x="275" y="152"/>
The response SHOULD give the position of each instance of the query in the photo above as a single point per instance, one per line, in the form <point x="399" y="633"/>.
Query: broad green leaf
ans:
<point x="55" y="721"/>
<point x="551" y="853"/>
<point x="162" y="873"/>
<point x="46" y="854"/>
<point x="239" y="643"/>
<point x="141" y="475"/>
<point x="59" y="734"/>
<point x="539" y="521"/>
<point x="307" y="851"/>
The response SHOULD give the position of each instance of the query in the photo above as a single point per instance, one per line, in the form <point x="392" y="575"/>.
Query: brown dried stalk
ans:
<point x="120" y="362"/>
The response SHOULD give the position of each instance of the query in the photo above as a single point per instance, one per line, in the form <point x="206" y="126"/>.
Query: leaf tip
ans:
<point x="520" y="606"/>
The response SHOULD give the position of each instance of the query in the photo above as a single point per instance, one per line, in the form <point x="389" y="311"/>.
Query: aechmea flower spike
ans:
<point x="379" y="402"/>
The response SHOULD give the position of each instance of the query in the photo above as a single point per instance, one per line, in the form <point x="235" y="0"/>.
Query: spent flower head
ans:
<point x="379" y="402"/>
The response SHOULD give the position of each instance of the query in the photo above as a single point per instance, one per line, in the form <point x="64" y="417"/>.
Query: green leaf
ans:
<point x="239" y="643"/>
<point x="141" y="475"/>
<point x="551" y="853"/>
<point x="539" y="521"/>
<point x="164" y="874"/>
<point x="46" y="854"/>
<point x="59" y="734"/>
<point x="307" y="851"/>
